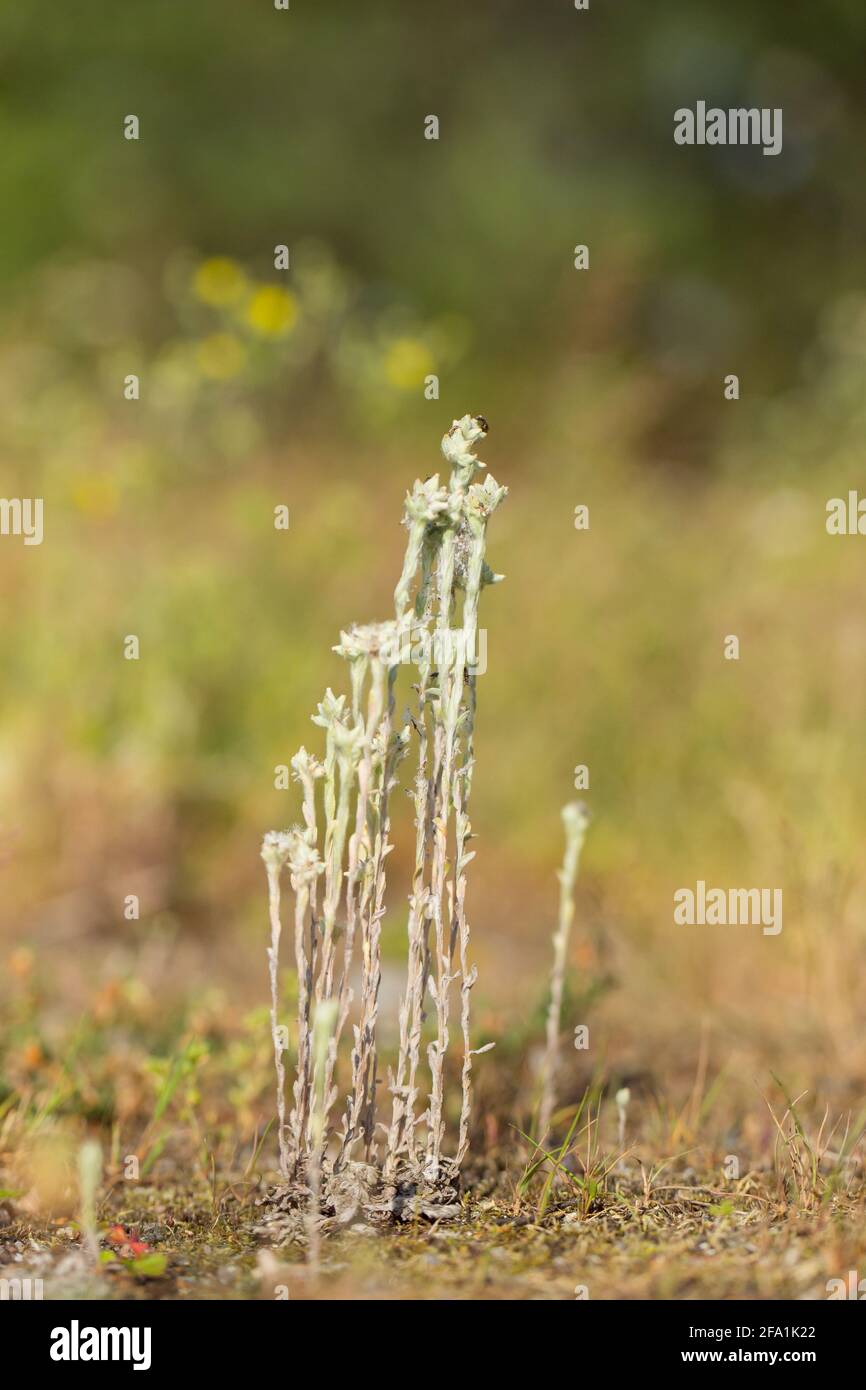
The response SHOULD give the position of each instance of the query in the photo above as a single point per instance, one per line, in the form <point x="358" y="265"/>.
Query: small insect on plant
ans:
<point x="345" y="1147"/>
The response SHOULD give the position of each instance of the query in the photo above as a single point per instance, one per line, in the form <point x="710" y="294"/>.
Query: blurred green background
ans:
<point x="602" y="387"/>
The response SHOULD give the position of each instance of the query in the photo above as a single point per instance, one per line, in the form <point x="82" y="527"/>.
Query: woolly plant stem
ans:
<point x="366" y="837"/>
<point x="404" y="1086"/>
<point x="301" y="1089"/>
<point x="323" y="1024"/>
<point x="443" y="745"/>
<point x="273" y="970"/>
<point x="463" y="831"/>
<point x="575" y="821"/>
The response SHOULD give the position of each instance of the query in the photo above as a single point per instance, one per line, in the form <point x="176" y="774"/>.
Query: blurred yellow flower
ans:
<point x="220" y="356"/>
<point x="407" y="362"/>
<point x="94" y="495"/>
<point x="272" y="311"/>
<point x="219" y="281"/>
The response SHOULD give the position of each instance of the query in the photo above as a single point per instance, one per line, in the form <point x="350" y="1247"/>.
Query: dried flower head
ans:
<point x="275" y="849"/>
<point x="304" y="765"/>
<point x="331" y="710"/>
<point x="482" y="499"/>
<point x="379" y="640"/>
<point x="304" y="862"/>
<point x="457" y="443"/>
<point x="426" y="502"/>
<point x="575" y="818"/>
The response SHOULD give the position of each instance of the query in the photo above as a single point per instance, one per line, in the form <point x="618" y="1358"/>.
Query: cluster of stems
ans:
<point x="336" y="860"/>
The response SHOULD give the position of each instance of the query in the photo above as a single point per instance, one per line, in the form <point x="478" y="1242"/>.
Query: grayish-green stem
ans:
<point x="276" y="1034"/>
<point x="575" y="820"/>
<point x="323" y="1025"/>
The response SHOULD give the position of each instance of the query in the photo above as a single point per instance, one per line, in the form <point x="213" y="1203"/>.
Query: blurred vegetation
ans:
<point x="305" y="388"/>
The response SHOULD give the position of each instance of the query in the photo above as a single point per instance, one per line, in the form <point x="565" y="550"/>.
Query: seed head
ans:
<point x="457" y="443"/>
<point x="276" y="847"/>
<point x="331" y="710"/>
<point x="304" y="862"/>
<point x="426" y="502"/>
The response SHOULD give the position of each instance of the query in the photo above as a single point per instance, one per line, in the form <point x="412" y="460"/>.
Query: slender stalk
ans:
<point x="364" y="864"/>
<point x="481" y="502"/>
<point x="575" y="819"/>
<point x="404" y="1086"/>
<point x="275" y="852"/>
<point x="443" y="749"/>
<point x="89" y="1179"/>
<point x="323" y="1025"/>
